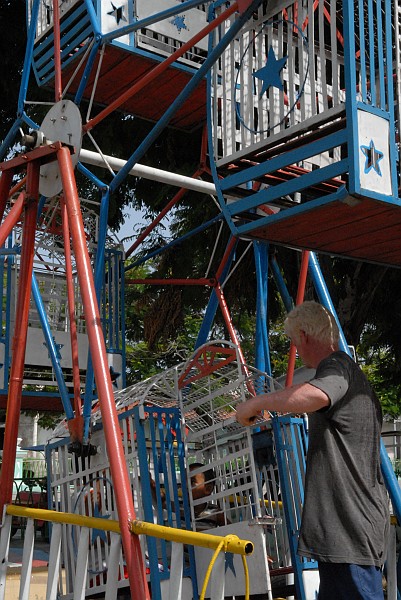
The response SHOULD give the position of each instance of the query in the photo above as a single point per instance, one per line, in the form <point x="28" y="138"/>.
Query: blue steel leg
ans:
<point x="324" y="296"/>
<point x="387" y="469"/>
<point x="28" y="56"/>
<point x="262" y="353"/>
<point x="281" y="285"/>
<point x="52" y="349"/>
<point x="10" y="137"/>
<point x="147" y="502"/>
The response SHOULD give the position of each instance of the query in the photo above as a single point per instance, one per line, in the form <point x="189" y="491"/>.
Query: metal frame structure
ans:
<point x="301" y="135"/>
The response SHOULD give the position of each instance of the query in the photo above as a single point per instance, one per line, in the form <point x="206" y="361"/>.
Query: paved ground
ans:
<point x="39" y="568"/>
<point x="40" y="554"/>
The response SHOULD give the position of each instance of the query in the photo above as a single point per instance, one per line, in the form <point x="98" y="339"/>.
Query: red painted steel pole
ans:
<point x="71" y="309"/>
<point x="57" y="51"/>
<point x="230" y="247"/>
<point x="12" y="218"/>
<point x="300" y="298"/>
<point x="20" y="336"/>
<point x="227" y="319"/>
<point x="118" y="468"/>
<point x="5" y="184"/>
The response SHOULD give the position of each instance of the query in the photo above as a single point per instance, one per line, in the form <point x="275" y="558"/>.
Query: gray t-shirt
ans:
<point x="345" y="515"/>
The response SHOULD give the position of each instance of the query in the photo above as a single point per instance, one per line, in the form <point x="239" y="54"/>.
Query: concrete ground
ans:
<point x="39" y="568"/>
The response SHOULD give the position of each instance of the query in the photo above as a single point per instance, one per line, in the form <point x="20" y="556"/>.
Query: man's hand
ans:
<point x="248" y="411"/>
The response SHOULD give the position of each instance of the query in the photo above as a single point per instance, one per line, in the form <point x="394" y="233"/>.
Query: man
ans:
<point x="345" y="514"/>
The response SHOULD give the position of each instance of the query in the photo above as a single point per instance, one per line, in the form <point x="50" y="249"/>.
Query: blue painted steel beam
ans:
<point x="394" y="153"/>
<point x="10" y="137"/>
<point x="350" y="86"/>
<point x="93" y="17"/>
<point x="281" y="285"/>
<point x="141" y="444"/>
<point x="289" y="187"/>
<point x="28" y="56"/>
<point x="202" y="227"/>
<point x="324" y="296"/>
<point x="285" y="454"/>
<point x="87" y="71"/>
<point x="284" y="159"/>
<point x="248" y="227"/>
<point x="52" y="349"/>
<point x="262" y="351"/>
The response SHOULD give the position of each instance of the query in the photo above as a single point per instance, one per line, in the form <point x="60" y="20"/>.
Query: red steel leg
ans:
<point x="20" y="336"/>
<point x="71" y="309"/>
<point x="12" y="218"/>
<point x="5" y="184"/>
<point x="300" y="298"/>
<point x="122" y="488"/>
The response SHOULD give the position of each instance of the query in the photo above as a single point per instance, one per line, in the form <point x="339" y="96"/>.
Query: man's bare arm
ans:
<point x="301" y="398"/>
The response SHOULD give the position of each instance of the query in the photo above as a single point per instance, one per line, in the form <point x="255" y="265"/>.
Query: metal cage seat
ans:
<point x="106" y="49"/>
<point x="302" y="125"/>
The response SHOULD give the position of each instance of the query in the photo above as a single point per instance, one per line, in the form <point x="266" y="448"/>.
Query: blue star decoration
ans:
<point x="99" y="532"/>
<point x="179" y="22"/>
<point x="270" y="73"/>
<point x="118" y="13"/>
<point x="58" y="348"/>
<point x="230" y="563"/>
<point x="114" y="376"/>
<point x="373" y="157"/>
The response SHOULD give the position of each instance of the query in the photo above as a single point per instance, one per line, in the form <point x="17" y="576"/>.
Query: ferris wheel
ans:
<point x="286" y="95"/>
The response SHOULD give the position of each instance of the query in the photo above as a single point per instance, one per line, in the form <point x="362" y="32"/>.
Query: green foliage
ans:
<point x="47" y="420"/>
<point x="143" y="362"/>
<point x="380" y="368"/>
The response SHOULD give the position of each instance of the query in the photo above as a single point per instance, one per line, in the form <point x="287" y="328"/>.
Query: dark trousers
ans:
<point x="341" y="581"/>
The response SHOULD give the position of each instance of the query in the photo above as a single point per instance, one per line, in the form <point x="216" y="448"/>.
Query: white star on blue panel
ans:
<point x="373" y="157"/>
<point x="179" y="22"/>
<point x="270" y="73"/>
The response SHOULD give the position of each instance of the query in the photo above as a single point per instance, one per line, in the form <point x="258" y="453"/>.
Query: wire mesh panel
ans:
<point x="211" y="385"/>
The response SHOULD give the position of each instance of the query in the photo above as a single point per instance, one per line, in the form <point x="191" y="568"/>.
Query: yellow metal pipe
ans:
<point x="232" y="543"/>
<point x="42" y="514"/>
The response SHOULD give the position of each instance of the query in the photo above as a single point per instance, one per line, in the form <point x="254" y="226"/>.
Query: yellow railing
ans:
<point x="229" y="543"/>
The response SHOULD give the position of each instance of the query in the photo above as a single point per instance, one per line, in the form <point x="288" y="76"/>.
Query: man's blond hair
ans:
<point x="315" y="320"/>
